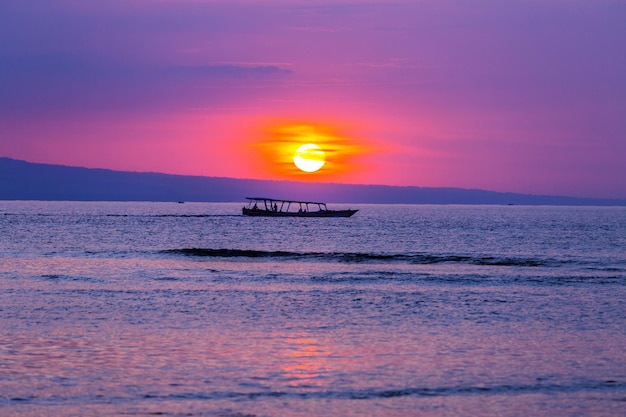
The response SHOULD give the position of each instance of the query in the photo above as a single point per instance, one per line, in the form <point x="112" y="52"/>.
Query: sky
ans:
<point x="521" y="96"/>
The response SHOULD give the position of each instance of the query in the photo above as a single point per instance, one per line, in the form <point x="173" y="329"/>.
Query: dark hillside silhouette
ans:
<point x="21" y="180"/>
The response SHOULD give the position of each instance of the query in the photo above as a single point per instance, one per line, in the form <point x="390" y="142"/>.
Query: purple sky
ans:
<point x="522" y="96"/>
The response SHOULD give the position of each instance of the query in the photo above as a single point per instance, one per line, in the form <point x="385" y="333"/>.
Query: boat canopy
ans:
<point x="276" y="200"/>
<point x="274" y="207"/>
<point x="270" y="203"/>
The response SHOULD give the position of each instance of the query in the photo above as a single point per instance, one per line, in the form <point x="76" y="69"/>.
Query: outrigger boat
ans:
<point x="270" y="207"/>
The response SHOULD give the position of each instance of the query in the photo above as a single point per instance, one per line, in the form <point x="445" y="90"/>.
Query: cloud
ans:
<point x="230" y="70"/>
<point x="66" y="82"/>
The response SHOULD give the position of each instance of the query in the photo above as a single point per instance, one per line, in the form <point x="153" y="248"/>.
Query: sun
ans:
<point x="309" y="157"/>
<point x="308" y="151"/>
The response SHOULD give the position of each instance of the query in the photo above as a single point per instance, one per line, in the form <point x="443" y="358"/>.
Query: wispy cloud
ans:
<point x="230" y="70"/>
<point x="69" y="81"/>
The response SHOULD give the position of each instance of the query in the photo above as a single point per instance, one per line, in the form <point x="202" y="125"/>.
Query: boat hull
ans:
<point x="324" y="213"/>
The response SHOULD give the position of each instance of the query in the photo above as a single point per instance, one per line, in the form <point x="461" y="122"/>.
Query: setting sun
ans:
<point x="309" y="157"/>
<point x="309" y="151"/>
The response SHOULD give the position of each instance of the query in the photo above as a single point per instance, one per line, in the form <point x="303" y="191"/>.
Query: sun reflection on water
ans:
<point x="306" y="362"/>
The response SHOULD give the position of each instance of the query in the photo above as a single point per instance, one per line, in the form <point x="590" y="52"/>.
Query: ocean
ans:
<point x="124" y="309"/>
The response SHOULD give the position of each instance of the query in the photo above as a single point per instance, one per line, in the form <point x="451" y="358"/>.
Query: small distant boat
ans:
<point x="270" y="207"/>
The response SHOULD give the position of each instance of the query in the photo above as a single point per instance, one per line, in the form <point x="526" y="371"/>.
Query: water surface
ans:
<point x="193" y="309"/>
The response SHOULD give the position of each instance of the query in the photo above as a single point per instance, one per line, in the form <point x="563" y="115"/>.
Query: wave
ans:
<point x="362" y="394"/>
<point x="68" y="278"/>
<point x="355" y="257"/>
<point x="171" y="215"/>
<point x="373" y="393"/>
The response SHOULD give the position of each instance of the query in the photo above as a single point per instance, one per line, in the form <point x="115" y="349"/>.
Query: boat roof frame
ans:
<point x="281" y="200"/>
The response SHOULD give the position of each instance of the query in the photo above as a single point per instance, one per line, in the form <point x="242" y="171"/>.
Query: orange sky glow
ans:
<point x="274" y="145"/>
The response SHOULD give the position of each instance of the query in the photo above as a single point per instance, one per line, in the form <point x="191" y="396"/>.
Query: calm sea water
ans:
<point x="171" y="309"/>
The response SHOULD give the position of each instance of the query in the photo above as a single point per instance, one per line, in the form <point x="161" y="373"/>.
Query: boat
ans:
<point x="271" y="207"/>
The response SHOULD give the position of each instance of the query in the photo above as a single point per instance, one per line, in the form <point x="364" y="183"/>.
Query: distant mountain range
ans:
<point x="21" y="180"/>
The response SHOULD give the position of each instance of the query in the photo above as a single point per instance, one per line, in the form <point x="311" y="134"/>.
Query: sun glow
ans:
<point x="309" y="158"/>
<point x="309" y="151"/>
